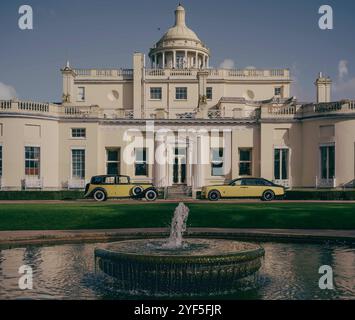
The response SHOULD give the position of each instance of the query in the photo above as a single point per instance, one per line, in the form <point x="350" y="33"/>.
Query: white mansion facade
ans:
<point x="210" y="125"/>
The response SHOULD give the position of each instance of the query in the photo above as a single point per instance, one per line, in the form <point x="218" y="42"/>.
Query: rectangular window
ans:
<point x="0" y="161"/>
<point x="327" y="154"/>
<point x="155" y="93"/>
<point x="81" y="94"/>
<point x="278" y="91"/>
<point x="181" y="93"/>
<point x="141" y="166"/>
<point x="281" y="158"/>
<point x="217" y="162"/>
<point x="78" y="133"/>
<point x="209" y="93"/>
<point x="112" y="161"/>
<point x="245" y="162"/>
<point x="32" y="161"/>
<point x="78" y="163"/>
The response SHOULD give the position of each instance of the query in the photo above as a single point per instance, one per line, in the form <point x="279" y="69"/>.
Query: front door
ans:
<point x="179" y="166"/>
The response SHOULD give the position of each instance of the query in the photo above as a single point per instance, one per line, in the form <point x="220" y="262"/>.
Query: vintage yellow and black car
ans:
<point x="105" y="187"/>
<point x="245" y="188"/>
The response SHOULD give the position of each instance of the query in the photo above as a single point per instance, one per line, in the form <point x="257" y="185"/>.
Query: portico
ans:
<point x="178" y="161"/>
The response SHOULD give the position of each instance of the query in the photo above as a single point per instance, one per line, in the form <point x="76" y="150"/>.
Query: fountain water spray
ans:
<point x="177" y="228"/>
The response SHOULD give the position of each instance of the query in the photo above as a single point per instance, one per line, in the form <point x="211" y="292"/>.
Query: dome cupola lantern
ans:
<point x="180" y="47"/>
<point x="180" y="16"/>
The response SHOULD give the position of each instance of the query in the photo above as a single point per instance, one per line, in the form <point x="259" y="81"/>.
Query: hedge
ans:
<point x="41" y="195"/>
<point x="313" y="194"/>
<point x="320" y="195"/>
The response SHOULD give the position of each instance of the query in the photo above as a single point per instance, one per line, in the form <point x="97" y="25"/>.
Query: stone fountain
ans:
<point x="178" y="267"/>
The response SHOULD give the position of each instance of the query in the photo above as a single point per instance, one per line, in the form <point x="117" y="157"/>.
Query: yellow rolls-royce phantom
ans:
<point x="244" y="188"/>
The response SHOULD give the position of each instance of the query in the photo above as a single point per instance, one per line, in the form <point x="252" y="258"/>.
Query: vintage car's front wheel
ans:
<point x="268" y="195"/>
<point x="214" y="195"/>
<point x="137" y="190"/>
<point x="100" y="195"/>
<point x="151" y="195"/>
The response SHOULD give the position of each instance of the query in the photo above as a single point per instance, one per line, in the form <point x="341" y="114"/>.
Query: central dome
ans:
<point x="180" y="30"/>
<point x="180" y="47"/>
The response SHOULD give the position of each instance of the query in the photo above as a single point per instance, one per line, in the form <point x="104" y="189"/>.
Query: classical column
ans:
<point x="196" y="61"/>
<point x="186" y="61"/>
<point x="163" y="64"/>
<point x="208" y="61"/>
<point x="155" y="61"/>
<point x="189" y="161"/>
<point x="199" y="164"/>
<point x="160" y="161"/>
<point x="174" y="59"/>
<point x="227" y="152"/>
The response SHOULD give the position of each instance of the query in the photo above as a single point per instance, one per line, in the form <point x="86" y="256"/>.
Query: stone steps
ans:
<point x="179" y="192"/>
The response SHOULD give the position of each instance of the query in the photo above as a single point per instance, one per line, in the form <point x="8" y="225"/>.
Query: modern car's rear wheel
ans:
<point x="268" y="195"/>
<point x="137" y="190"/>
<point x="100" y="195"/>
<point x="214" y="195"/>
<point x="151" y="195"/>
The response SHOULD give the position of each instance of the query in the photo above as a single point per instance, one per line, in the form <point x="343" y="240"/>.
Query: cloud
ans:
<point x="227" y="64"/>
<point x="343" y="70"/>
<point x="344" y="87"/>
<point x="7" y="92"/>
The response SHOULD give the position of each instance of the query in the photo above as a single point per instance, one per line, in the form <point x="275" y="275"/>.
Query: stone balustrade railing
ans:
<point x="245" y="74"/>
<point x="339" y="107"/>
<point x="308" y="110"/>
<point x="25" y="106"/>
<point x="104" y="73"/>
<point x="230" y="74"/>
<point x="272" y="111"/>
<point x="33" y="106"/>
<point x="79" y="112"/>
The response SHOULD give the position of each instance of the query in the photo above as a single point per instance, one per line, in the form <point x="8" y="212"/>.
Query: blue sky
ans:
<point x="105" y="33"/>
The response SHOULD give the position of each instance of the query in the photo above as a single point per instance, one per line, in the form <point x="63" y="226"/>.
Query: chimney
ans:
<point x="324" y="88"/>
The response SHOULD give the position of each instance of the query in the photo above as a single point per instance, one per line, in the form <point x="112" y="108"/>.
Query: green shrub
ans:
<point x="41" y="195"/>
<point x="320" y="195"/>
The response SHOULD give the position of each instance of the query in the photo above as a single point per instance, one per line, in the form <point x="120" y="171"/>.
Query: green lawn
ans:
<point x="109" y="216"/>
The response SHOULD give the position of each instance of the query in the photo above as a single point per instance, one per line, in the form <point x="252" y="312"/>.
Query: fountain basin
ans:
<point x="200" y="266"/>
